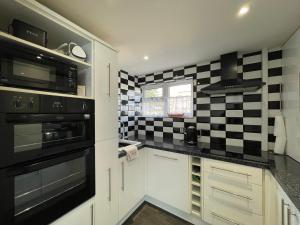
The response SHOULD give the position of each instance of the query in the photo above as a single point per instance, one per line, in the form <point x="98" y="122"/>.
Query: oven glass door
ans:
<point x="33" y="136"/>
<point x="46" y="189"/>
<point x="35" y="188"/>
<point x="42" y="135"/>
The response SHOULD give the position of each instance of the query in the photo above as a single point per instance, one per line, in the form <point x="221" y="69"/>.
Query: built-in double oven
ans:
<point x="47" y="159"/>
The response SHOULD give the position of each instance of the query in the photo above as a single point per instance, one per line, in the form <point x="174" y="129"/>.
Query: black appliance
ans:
<point x="230" y="82"/>
<point x="47" y="163"/>
<point x="29" y="33"/>
<point x="190" y="135"/>
<point x="35" y="69"/>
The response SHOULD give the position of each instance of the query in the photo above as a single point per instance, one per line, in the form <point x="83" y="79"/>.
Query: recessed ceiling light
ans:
<point x="243" y="11"/>
<point x="146" y="57"/>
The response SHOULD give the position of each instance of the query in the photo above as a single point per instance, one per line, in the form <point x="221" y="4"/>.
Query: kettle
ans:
<point x="190" y="135"/>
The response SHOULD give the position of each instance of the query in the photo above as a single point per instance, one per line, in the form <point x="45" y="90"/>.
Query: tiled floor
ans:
<point x="148" y="214"/>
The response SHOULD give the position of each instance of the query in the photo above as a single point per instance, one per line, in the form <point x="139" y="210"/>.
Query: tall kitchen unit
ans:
<point x="291" y="94"/>
<point x="106" y="134"/>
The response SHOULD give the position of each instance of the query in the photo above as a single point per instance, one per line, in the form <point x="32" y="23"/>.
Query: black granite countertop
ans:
<point x="232" y="154"/>
<point x="287" y="173"/>
<point x="285" y="169"/>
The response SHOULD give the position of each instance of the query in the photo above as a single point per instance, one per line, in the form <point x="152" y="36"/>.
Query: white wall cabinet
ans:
<point x="132" y="177"/>
<point x="82" y="215"/>
<point x="106" y="198"/>
<point x="106" y="92"/>
<point x="168" y="178"/>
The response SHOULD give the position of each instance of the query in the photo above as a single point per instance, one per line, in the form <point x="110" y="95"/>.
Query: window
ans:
<point x="169" y="99"/>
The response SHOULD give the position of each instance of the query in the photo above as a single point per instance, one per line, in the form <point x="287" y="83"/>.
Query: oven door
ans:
<point x="27" y="68"/>
<point x="31" y="136"/>
<point x="40" y="192"/>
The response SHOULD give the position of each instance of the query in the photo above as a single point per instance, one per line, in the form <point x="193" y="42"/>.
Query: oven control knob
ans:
<point x="17" y="102"/>
<point x="84" y="106"/>
<point x="31" y="103"/>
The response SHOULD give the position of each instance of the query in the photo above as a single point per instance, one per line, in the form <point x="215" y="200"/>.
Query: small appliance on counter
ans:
<point x="72" y="49"/>
<point x="190" y="135"/>
<point x="28" y="32"/>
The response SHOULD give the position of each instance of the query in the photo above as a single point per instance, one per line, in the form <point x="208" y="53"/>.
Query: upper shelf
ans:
<point x="24" y="43"/>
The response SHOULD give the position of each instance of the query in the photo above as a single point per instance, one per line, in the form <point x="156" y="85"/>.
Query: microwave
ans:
<point x="29" y="68"/>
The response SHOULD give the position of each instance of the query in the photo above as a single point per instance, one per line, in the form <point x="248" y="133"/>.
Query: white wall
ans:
<point x="291" y="97"/>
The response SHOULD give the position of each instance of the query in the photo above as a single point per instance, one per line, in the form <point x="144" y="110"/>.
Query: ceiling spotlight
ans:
<point x="243" y="11"/>
<point x="146" y="57"/>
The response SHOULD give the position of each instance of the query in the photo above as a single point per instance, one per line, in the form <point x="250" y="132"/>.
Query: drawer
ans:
<point x="228" y="217"/>
<point x="242" y="197"/>
<point x="232" y="172"/>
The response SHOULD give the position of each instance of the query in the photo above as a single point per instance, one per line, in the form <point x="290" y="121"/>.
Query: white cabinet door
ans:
<point x="289" y="215"/>
<point x="106" y="92"/>
<point x="168" y="178"/>
<point x="82" y="215"/>
<point x="106" y="199"/>
<point x="272" y="201"/>
<point x="132" y="183"/>
<point x="279" y="208"/>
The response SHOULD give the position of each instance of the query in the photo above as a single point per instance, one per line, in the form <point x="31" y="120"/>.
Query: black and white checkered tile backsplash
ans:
<point x="129" y="98"/>
<point x="226" y="119"/>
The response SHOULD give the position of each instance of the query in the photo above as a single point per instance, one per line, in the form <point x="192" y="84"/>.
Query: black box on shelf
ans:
<point x="29" y="33"/>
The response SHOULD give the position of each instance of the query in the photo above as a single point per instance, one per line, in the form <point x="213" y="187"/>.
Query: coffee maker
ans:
<point x="190" y="135"/>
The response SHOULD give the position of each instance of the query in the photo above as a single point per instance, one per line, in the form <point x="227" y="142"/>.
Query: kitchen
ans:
<point x="197" y="125"/>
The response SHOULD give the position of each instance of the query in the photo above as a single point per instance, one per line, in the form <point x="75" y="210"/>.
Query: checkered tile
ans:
<point x="129" y="98"/>
<point x="274" y="86"/>
<point x="225" y="119"/>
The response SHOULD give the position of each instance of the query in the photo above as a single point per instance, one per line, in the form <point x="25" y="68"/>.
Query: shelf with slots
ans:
<point x="196" y="186"/>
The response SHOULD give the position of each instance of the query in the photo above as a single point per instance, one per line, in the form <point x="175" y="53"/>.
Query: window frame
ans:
<point x="166" y="95"/>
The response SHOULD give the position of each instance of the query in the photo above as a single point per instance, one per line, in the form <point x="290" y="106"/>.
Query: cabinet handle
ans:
<point x="123" y="180"/>
<point x="244" y="174"/>
<point x="165" y="157"/>
<point x="92" y="214"/>
<point x="224" y="219"/>
<point x="282" y="211"/>
<point x="231" y="193"/>
<point x="109" y="79"/>
<point x="109" y="184"/>
<point x="289" y="216"/>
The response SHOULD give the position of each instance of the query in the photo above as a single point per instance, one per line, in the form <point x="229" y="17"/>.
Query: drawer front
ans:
<point x="239" y="174"/>
<point x="242" y="197"/>
<point x="219" y="216"/>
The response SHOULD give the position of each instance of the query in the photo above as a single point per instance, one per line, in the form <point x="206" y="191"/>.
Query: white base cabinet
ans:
<point x="106" y="182"/>
<point x="132" y="177"/>
<point x="279" y="208"/>
<point x="82" y="215"/>
<point x="232" y="193"/>
<point x="168" y="178"/>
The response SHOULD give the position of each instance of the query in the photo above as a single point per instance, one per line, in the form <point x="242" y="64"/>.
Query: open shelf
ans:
<point x="23" y="43"/>
<point x="196" y="186"/>
<point x="59" y="31"/>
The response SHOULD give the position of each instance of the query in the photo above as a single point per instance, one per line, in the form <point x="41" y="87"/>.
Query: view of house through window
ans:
<point x="169" y="99"/>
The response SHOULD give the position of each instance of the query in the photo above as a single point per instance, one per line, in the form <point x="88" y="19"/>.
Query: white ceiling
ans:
<point x="175" y="33"/>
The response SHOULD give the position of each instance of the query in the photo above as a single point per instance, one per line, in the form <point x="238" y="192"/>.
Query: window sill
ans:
<point x="184" y="117"/>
